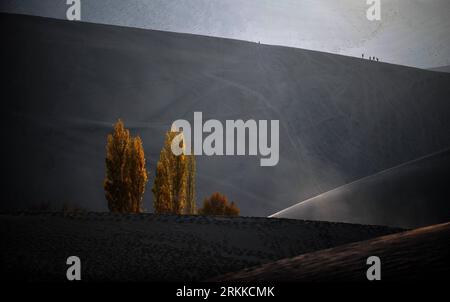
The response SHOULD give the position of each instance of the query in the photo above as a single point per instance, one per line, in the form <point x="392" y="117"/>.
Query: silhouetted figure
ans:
<point x="378" y="59"/>
<point x="362" y="56"/>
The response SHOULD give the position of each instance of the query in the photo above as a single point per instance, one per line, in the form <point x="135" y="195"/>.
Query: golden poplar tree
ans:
<point x="137" y="176"/>
<point x="174" y="185"/>
<point x="191" y="207"/>
<point x="126" y="175"/>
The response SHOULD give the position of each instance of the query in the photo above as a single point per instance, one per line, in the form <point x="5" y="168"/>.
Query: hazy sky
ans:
<point x="411" y="32"/>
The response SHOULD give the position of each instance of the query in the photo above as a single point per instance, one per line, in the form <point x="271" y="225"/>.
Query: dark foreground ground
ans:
<point x="148" y="247"/>
<point x="420" y="254"/>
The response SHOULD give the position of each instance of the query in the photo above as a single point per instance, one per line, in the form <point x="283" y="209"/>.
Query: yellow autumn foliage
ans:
<point x="174" y="186"/>
<point x="126" y="174"/>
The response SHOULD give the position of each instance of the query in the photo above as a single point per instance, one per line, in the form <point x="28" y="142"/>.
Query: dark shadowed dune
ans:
<point x="341" y="118"/>
<point x="420" y="254"/>
<point x="147" y="247"/>
<point x="411" y="195"/>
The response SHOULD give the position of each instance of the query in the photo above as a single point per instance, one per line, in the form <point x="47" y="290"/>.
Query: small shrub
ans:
<point x="217" y="204"/>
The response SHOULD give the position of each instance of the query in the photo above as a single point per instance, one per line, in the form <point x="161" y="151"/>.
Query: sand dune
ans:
<point x="341" y="118"/>
<point x="410" y="195"/>
<point x="420" y="254"/>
